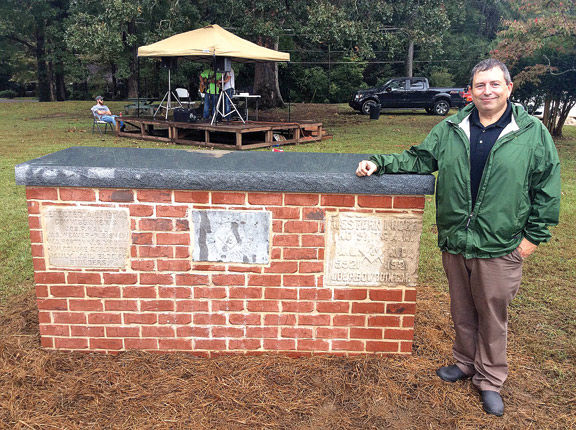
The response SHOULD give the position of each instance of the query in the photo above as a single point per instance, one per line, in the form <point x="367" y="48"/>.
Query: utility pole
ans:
<point x="410" y="57"/>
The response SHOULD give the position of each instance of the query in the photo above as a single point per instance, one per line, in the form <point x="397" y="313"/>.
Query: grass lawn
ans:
<point x="333" y="393"/>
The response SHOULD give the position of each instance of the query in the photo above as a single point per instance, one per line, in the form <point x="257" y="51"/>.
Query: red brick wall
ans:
<point x="166" y="302"/>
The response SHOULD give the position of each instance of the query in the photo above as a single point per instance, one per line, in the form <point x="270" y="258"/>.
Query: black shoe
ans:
<point x="492" y="403"/>
<point x="451" y="373"/>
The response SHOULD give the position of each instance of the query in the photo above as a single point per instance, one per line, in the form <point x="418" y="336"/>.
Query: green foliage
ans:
<point x="32" y="26"/>
<point x="107" y="33"/>
<point x="92" y="44"/>
<point x="441" y="78"/>
<point x="8" y="94"/>
<point x="540" y="48"/>
<point x="345" y="80"/>
<point x="473" y="27"/>
<point x="324" y="84"/>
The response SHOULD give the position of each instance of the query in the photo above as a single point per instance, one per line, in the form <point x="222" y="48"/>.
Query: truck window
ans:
<point x="397" y="85"/>
<point x="418" y="85"/>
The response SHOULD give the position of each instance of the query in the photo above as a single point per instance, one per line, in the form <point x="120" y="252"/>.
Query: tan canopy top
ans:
<point x="202" y="44"/>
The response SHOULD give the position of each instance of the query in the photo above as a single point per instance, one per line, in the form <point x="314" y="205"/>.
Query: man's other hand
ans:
<point x="366" y="168"/>
<point x="526" y="248"/>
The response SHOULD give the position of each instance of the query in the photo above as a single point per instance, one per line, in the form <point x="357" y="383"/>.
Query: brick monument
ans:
<point x="216" y="252"/>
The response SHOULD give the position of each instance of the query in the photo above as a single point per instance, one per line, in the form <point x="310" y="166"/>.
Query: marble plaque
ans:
<point x="80" y="237"/>
<point x="372" y="250"/>
<point x="231" y="236"/>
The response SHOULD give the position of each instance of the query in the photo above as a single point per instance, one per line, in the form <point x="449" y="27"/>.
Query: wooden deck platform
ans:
<point x="224" y="135"/>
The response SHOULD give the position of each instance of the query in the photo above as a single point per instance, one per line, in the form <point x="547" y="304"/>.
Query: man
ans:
<point x="211" y="90"/>
<point x="101" y="111"/>
<point x="498" y="190"/>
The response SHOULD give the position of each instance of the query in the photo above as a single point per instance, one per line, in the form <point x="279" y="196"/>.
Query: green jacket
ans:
<point x="519" y="194"/>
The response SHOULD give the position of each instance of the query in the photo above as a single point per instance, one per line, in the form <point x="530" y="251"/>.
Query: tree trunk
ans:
<point x="43" y="87"/>
<point x="410" y="58"/>
<point x="114" y="80"/>
<point x="51" y="81"/>
<point x="567" y="104"/>
<point x="132" y="82"/>
<point x="555" y="114"/>
<point x="58" y="80"/>
<point x="60" y="84"/>
<point x="266" y="80"/>
<point x="546" y="113"/>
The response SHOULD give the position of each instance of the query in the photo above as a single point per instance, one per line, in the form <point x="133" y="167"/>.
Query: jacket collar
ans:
<point x="512" y="126"/>
<point x="519" y="116"/>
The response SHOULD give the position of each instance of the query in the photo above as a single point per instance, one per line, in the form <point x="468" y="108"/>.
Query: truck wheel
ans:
<point x="441" y="107"/>
<point x="367" y="105"/>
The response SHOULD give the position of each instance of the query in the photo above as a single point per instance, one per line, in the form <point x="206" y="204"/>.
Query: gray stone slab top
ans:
<point x="299" y="172"/>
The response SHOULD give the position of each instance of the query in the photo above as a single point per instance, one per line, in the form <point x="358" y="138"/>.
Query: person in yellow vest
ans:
<point x="210" y="84"/>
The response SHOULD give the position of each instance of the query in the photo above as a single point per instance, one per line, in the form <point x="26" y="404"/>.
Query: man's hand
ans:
<point x="366" y="168"/>
<point x="526" y="248"/>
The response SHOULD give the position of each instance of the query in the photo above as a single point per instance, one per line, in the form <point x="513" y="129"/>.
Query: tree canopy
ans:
<point x="77" y="48"/>
<point x="540" y="49"/>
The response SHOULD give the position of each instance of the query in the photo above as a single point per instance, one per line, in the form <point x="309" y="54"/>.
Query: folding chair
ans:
<point x="182" y="93"/>
<point x="98" y="123"/>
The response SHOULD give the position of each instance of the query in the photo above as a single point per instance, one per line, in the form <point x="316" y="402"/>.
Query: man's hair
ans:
<point x="489" y="64"/>
<point x="99" y="98"/>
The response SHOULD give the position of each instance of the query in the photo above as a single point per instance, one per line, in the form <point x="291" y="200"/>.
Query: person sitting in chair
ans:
<point x="101" y="112"/>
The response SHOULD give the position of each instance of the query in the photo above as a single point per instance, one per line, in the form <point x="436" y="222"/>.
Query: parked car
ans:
<point x="410" y="93"/>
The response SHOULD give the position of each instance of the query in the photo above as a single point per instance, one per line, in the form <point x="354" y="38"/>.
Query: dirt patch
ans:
<point x="329" y="114"/>
<point x="18" y="100"/>
<point x="44" y="389"/>
<point x="52" y="116"/>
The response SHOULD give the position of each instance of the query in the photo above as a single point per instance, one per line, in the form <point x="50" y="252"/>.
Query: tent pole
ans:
<point x="329" y="70"/>
<point x="289" y="104"/>
<point x="138" y="86"/>
<point x="214" y="118"/>
<point x="169" y="91"/>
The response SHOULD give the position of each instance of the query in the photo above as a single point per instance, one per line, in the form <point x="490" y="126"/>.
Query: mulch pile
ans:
<point x="45" y="389"/>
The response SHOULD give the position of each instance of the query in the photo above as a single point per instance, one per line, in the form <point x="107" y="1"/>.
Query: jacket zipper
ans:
<point x="464" y="140"/>
<point x="505" y="139"/>
<point x="469" y="219"/>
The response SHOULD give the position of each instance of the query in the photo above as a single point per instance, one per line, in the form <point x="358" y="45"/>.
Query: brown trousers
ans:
<point x="480" y="291"/>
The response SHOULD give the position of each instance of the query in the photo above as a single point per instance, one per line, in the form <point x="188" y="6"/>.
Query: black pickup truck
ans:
<point x="410" y="93"/>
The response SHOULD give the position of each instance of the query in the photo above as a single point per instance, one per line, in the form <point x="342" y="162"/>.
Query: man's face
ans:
<point x="490" y="91"/>
<point x="100" y="101"/>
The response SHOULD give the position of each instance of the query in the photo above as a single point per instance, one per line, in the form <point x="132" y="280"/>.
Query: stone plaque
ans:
<point x="231" y="236"/>
<point x="83" y="237"/>
<point x="372" y="250"/>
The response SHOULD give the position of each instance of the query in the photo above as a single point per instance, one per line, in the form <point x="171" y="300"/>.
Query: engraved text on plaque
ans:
<point x="87" y="237"/>
<point x="231" y="236"/>
<point x="372" y="249"/>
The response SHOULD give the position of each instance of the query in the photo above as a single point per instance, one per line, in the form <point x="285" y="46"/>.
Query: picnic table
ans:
<point x="142" y="105"/>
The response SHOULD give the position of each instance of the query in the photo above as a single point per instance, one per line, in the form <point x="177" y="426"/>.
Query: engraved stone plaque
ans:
<point x="372" y="250"/>
<point x="87" y="237"/>
<point x="231" y="236"/>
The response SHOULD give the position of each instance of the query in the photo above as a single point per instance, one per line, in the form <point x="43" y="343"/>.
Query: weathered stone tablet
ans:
<point x="231" y="236"/>
<point x="83" y="237"/>
<point x="372" y="249"/>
